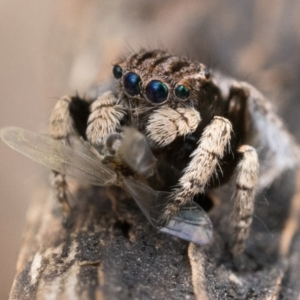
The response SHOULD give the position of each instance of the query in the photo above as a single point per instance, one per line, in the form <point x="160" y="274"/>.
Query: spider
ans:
<point x="208" y="128"/>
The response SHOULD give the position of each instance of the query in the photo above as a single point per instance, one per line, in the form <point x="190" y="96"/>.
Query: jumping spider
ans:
<point x="201" y="123"/>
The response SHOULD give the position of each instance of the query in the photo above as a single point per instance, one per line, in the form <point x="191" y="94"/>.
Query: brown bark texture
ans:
<point x="107" y="249"/>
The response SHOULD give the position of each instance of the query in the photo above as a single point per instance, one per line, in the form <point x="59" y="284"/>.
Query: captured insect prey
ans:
<point x="168" y="131"/>
<point x="83" y="162"/>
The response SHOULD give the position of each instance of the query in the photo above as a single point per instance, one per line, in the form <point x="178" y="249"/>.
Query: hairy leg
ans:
<point x="245" y="184"/>
<point x="68" y="117"/>
<point x="212" y="144"/>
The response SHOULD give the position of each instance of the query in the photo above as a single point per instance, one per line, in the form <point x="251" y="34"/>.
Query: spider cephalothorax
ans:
<point x="200" y="123"/>
<point x="156" y="77"/>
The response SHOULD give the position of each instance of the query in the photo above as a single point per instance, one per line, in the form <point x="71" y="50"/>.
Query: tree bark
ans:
<point x="107" y="250"/>
<point x="102" y="251"/>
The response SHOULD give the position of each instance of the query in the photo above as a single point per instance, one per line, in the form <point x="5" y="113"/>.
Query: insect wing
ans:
<point x="144" y="196"/>
<point x="80" y="163"/>
<point x="191" y="223"/>
<point x="136" y="152"/>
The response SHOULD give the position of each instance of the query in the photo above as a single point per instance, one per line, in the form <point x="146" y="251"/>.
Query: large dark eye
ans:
<point x="131" y="83"/>
<point x="156" y="91"/>
<point x="182" y="92"/>
<point x="117" y="71"/>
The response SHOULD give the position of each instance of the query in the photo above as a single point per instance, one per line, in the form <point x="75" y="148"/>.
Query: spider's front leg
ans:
<point x="212" y="144"/>
<point x="164" y="125"/>
<point x="104" y="120"/>
<point x="68" y="117"/>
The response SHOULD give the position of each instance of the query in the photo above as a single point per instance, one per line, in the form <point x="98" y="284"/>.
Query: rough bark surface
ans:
<point x="107" y="250"/>
<point x="99" y="253"/>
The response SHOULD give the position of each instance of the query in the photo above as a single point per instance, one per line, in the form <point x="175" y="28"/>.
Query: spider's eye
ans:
<point x="156" y="91"/>
<point x="131" y="83"/>
<point x="117" y="71"/>
<point x="182" y="92"/>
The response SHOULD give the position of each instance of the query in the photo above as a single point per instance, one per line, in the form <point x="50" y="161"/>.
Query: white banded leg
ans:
<point x="61" y="127"/>
<point x="212" y="144"/>
<point x="246" y="181"/>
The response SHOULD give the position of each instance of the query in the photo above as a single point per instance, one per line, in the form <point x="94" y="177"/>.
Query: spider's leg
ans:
<point x="276" y="147"/>
<point x="245" y="184"/>
<point x="205" y="158"/>
<point x="69" y="116"/>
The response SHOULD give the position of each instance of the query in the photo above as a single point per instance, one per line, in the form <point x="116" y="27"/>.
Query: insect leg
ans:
<point x="245" y="184"/>
<point x="105" y="117"/>
<point x="68" y="116"/>
<point x="205" y="158"/>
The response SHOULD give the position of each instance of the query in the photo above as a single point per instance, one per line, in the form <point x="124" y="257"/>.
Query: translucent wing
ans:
<point x="136" y="152"/>
<point x="191" y="223"/>
<point x="81" y="163"/>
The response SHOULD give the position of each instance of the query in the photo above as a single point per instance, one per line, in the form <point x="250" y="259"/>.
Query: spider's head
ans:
<point x="155" y="78"/>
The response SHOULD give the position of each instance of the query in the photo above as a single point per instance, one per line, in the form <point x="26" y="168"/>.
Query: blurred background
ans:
<point x="51" y="48"/>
